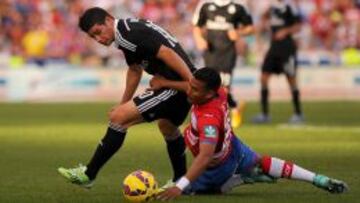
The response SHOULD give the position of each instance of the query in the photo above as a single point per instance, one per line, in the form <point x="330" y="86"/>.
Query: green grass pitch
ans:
<point x="35" y="139"/>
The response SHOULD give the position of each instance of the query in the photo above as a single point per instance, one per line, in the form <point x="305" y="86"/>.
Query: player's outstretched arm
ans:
<point x="201" y="162"/>
<point x="133" y="77"/>
<point x="198" y="166"/>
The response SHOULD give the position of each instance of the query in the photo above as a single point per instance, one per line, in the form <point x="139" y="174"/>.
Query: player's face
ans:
<point x="103" y="33"/>
<point x="197" y="92"/>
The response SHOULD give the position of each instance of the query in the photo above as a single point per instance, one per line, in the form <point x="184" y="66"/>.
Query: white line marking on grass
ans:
<point x="321" y="128"/>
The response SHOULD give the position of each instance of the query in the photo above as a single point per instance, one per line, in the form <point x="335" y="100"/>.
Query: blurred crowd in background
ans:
<point x="43" y="32"/>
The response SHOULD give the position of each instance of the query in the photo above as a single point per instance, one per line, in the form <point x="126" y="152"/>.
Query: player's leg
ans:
<point x="290" y="70"/>
<point x="264" y="117"/>
<point x="270" y="65"/>
<point x="247" y="171"/>
<point x="219" y="179"/>
<point x="226" y="77"/>
<point x="175" y="145"/>
<point x="212" y="180"/>
<point x="297" y="117"/>
<point x="265" y="77"/>
<point x="226" y="68"/>
<point x="121" y="117"/>
<point x="236" y="113"/>
<point x="142" y="107"/>
<point x="171" y="108"/>
<point x="279" y="168"/>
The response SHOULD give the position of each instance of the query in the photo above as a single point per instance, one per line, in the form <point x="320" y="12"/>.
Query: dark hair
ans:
<point x="92" y="16"/>
<point x="210" y="77"/>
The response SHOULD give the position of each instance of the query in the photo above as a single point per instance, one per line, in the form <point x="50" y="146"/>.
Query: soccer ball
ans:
<point x="139" y="186"/>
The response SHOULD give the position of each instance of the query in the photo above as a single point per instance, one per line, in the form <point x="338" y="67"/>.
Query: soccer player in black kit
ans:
<point x="146" y="47"/>
<point x="281" y="57"/>
<point x="217" y="26"/>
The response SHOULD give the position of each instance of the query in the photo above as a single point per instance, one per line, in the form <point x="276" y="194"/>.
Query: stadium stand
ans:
<point x="45" y="31"/>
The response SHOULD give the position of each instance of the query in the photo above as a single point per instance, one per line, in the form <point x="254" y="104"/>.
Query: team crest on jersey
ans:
<point x="212" y="8"/>
<point x="231" y="9"/>
<point x="210" y="131"/>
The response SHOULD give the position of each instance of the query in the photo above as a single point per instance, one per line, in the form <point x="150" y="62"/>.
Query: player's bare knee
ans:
<point x="117" y="117"/>
<point x="125" y="116"/>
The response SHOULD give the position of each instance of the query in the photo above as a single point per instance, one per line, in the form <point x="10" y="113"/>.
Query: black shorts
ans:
<point x="281" y="58"/>
<point x="165" y="103"/>
<point x="277" y="62"/>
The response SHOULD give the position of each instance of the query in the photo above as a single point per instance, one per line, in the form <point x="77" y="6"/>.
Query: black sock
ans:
<point x="176" y="151"/>
<point x="108" y="146"/>
<point x="296" y="101"/>
<point x="232" y="103"/>
<point x="265" y="101"/>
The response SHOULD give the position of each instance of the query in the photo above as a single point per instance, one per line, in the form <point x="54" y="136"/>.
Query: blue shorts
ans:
<point x="241" y="160"/>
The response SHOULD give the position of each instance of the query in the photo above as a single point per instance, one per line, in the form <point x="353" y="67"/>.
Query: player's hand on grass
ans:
<point x="169" y="194"/>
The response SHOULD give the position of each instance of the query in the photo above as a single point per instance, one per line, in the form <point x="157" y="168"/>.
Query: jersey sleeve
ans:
<point x="129" y="58"/>
<point x="199" y="17"/>
<point x="242" y="16"/>
<point x="208" y="128"/>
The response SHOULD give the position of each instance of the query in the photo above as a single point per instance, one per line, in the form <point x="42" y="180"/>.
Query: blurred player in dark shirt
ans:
<point x="217" y="26"/>
<point x="281" y="57"/>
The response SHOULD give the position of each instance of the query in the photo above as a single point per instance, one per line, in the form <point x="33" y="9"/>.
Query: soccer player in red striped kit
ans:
<point x="221" y="160"/>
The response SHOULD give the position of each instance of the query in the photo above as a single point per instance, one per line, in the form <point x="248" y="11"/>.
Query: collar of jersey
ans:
<point x="222" y="2"/>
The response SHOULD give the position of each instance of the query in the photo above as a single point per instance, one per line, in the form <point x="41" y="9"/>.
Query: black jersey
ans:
<point x="219" y="19"/>
<point x="140" y="40"/>
<point x="283" y="15"/>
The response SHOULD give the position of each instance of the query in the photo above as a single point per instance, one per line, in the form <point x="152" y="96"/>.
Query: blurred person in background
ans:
<point x="281" y="57"/>
<point x="323" y="26"/>
<point x="169" y="12"/>
<point x="217" y="26"/>
<point x="15" y="20"/>
<point x="151" y="10"/>
<point x="36" y="40"/>
<point x="350" y="25"/>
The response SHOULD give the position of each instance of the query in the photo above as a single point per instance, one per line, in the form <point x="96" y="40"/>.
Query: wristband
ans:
<point x="182" y="183"/>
